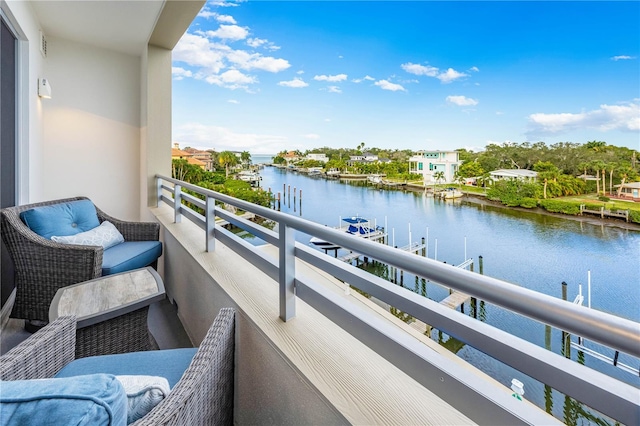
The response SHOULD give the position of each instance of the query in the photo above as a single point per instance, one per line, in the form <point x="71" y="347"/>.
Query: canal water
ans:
<point x="534" y="251"/>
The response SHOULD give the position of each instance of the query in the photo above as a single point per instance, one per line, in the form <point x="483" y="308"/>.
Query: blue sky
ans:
<point x="266" y="76"/>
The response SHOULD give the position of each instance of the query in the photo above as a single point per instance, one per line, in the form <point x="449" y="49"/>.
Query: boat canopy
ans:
<point x="355" y="220"/>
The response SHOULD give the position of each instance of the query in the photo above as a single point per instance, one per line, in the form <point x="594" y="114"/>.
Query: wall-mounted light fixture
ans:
<point x="44" y="88"/>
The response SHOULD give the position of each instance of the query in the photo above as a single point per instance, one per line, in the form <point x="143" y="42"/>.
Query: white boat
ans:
<point x="249" y="176"/>
<point x="449" y="193"/>
<point x="375" y="178"/>
<point x="356" y="226"/>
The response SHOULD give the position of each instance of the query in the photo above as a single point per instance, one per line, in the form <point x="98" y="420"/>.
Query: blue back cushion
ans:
<point x="61" y="219"/>
<point x="168" y="363"/>
<point x="97" y="399"/>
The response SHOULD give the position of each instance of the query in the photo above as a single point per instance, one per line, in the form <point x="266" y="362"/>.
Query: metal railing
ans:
<point x="603" y="393"/>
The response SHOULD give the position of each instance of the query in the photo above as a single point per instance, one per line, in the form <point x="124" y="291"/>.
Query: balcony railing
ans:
<point x="466" y="392"/>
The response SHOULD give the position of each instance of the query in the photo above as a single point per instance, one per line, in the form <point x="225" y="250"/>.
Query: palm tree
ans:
<point x="625" y="173"/>
<point x="226" y="160"/>
<point x="547" y="171"/>
<point x="246" y="159"/>
<point x="438" y="176"/>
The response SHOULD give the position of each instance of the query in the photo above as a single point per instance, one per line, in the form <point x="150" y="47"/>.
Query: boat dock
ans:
<point x="603" y="213"/>
<point x="458" y="298"/>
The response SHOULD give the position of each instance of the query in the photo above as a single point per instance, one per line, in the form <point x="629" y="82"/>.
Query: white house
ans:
<point x="521" y="174"/>
<point x="317" y="157"/>
<point x="428" y="163"/>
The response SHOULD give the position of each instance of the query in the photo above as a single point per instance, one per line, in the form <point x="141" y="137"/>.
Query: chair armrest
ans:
<point x="204" y="394"/>
<point x="133" y="231"/>
<point x="43" y="354"/>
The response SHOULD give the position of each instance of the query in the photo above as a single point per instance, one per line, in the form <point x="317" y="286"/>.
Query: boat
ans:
<point x="249" y="176"/>
<point x="356" y="226"/>
<point x="449" y="193"/>
<point x="375" y="179"/>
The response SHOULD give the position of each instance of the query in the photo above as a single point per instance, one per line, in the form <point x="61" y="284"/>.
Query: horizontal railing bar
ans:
<point x="251" y="227"/>
<point x="468" y="393"/>
<point x="255" y="257"/>
<point x="194" y="200"/>
<point x="609" y="330"/>
<point x="597" y="390"/>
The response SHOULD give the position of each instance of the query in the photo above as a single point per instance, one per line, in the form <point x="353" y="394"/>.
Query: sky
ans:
<point x="267" y="76"/>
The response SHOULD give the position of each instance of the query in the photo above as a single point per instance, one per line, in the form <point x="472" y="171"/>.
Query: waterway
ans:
<point x="535" y="251"/>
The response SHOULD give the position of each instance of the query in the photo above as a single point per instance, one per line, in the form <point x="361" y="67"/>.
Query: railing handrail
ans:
<point x="607" y="329"/>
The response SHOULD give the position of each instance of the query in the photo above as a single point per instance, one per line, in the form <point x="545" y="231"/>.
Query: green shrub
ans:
<point x="528" y="203"/>
<point x="603" y="198"/>
<point x="634" y="216"/>
<point x="557" y="206"/>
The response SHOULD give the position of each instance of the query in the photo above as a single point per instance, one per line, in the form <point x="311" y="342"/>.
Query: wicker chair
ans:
<point x="203" y="396"/>
<point x="43" y="266"/>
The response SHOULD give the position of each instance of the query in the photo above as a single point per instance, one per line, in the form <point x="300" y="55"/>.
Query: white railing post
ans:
<point x="177" y="202"/>
<point x="210" y="219"/>
<point x="287" y="272"/>
<point x="158" y="191"/>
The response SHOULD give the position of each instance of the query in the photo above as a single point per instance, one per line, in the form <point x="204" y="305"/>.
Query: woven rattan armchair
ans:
<point x="43" y="266"/>
<point x="203" y="396"/>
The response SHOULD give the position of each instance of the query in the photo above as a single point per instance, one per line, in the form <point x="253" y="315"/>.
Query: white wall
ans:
<point x="91" y="127"/>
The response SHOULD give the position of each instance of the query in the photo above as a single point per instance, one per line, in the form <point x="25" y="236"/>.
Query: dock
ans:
<point x="457" y="298"/>
<point x="604" y="213"/>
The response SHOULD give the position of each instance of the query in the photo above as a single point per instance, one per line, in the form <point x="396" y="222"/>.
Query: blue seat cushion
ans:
<point x="61" y="219"/>
<point x="168" y="363"/>
<point x="97" y="399"/>
<point x="130" y="255"/>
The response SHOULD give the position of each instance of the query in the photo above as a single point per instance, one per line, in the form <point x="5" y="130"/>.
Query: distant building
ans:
<point x="365" y="158"/>
<point x="317" y="157"/>
<point x="178" y="154"/>
<point x="428" y="163"/>
<point x="204" y="156"/>
<point x="520" y="174"/>
<point x="291" y="157"/>
<point x="630" y="191"/>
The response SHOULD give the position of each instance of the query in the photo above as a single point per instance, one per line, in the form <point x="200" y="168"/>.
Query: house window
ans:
<point x="430" y="166"/>
<point x="419" y="166"/>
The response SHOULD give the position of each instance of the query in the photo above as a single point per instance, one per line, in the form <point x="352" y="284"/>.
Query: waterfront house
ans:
<point x="314" y="356"/>
<point x="317" y="157"/>
<point x="364" y="158"/>
<point x="429" y="163"/>
<point x="629" y="191"/>
<point x="204" y="156"/>
<point x="178" y="154"/>
<point x="520" y="174"/>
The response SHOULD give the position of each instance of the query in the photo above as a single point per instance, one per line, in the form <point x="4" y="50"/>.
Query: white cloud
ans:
<point x="387" y="85"/>
<point x="180" y="73"/>
<point x="462" y="100"/>
<point x="231" y="79"/>
<point x="261" y="42"/>
<point x="622" y="58"/>
<point x="229" y="32"/>
<point x="311" y="136"/>
<point x="224" y="139"/>
<point x="334" y="89"/>
<point x="209" y="59"/>
<point x="332" y="78"/>
<point x="327" y="120"/>
<point x="300" y="72"/>
<point x="624" y="117"/>
<point x="474" y="69"/>
<point x="227" y="19"/>
<point x="418" y="69"/>
<point x="366" y="77"/>
<point x="233" y="101"/>
<point x="295" y="83"/>
<point x="450" y="75"/>
<point x="225" y="3"/>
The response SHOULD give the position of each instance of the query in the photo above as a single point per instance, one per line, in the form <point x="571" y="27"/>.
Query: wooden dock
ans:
<point x="604" y="213"/>
<point x="457" y="298"/>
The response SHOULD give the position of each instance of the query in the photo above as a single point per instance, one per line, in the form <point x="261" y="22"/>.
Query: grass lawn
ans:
<point x="610" y="205"/>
